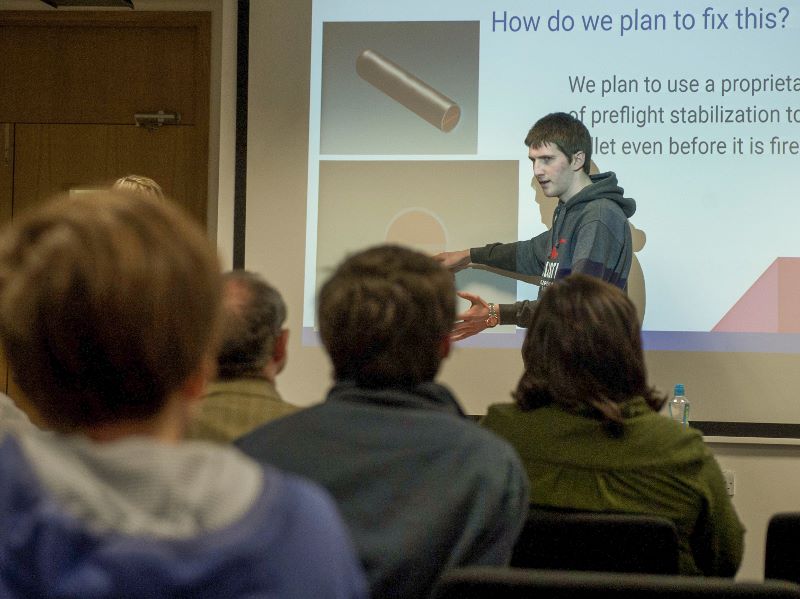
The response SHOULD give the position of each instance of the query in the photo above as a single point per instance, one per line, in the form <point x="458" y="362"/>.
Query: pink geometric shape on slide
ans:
<point x="771" y="305"/>
<point x="789" y="295"/>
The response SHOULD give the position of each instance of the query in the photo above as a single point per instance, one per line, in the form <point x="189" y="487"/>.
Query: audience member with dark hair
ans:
<point x="421" y="486"/>
<point x="252" y="353"/>
<point x="108" y="314"/>
<point x="590" y="232"/>
<point x="587" y="427"/>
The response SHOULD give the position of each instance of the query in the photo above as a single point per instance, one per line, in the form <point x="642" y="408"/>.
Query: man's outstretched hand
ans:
<point x="473" y="320"/>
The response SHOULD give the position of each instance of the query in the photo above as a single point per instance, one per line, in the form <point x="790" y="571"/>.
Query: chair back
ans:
<point x="602" y="542"/>
<point x="782" y="556"/>
<point x="518" y="583"/>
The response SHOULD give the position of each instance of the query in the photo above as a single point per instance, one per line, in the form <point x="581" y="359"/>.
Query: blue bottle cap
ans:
<point x="679" y="390"/>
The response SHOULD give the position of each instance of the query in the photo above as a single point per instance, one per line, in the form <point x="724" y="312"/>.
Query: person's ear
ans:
<point x="279" y="352"/>
<point x="578" y="160"/>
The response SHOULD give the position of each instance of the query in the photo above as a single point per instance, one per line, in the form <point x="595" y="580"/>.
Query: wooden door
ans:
<point x="52" y="158"/>
<point x="70" y="84"/>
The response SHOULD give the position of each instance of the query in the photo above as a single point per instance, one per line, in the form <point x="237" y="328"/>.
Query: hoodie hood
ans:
<point x="138" y="487"/>
<point x="604" y="185"/>
<point x="137" y="518"/>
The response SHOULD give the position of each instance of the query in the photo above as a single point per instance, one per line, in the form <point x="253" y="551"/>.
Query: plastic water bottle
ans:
<point x="679" y="406"/>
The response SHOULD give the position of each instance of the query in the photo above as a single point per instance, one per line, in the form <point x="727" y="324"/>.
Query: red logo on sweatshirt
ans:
<point x="554" y="251"/>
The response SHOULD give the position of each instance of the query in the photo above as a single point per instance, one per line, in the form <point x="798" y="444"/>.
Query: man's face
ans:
<point x="557" y="174"/>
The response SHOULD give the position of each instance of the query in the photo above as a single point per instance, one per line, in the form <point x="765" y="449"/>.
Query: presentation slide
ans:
<point x="418" y="112"/>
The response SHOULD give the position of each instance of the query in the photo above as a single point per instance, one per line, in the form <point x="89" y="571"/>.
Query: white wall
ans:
<point x="276" y="175"/>
<point x="766" y="482"/>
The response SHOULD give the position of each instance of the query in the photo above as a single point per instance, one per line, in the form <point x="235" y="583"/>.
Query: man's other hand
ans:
<point x="454" y="261"/>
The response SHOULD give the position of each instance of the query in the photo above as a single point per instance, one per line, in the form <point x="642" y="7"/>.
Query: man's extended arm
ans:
<point x="524" y="257"/>
<point x="518" y="313"/>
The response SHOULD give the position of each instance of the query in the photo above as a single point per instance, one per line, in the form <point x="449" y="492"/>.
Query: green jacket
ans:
<point x="231" y="409"/>
<point x="655" y="467"/>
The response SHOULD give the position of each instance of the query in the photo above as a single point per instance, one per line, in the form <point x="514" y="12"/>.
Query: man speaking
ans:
<point x="590" y="231"/>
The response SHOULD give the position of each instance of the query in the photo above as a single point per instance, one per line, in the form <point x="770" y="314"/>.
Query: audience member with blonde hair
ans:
<point x="586" y="425"/>
<point x="139" y="184"/>
<point x="109" y="306"/>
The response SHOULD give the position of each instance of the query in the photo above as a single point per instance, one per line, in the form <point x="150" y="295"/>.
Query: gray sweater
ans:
<point x="590" y="234"/>
<point x="421" y="487"/>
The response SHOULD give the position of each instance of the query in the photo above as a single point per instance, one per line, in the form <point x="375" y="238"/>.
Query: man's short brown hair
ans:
<point x="108" y="303"/>
<point x="383" y="315"/>
<point x="564" y="131"/>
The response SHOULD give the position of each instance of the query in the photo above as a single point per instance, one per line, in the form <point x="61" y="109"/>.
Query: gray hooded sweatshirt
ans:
<point x="590" y="234"/>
